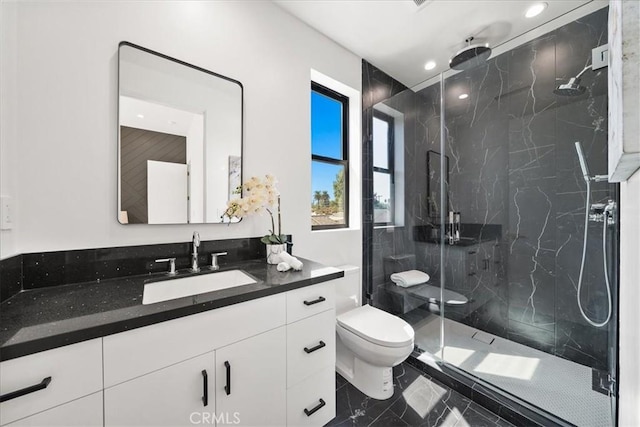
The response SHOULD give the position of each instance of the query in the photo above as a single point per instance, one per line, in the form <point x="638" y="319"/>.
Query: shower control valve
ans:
<point x="601" y="211"/>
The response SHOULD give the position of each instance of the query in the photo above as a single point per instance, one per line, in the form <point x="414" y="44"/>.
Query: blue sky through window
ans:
<point x="326" y="126"/>
<point x="326" y="140"/>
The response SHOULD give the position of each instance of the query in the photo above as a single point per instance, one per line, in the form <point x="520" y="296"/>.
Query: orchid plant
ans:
<point x="259" y="195"/>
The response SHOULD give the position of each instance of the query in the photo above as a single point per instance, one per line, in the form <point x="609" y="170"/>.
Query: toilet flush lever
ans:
<point x="172" y="265"/>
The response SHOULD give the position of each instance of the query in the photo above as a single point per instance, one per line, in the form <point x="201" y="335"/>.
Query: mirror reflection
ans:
<point x="180" y="140"/>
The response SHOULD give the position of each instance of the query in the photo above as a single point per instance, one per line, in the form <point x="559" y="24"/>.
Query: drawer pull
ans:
<point x="227" y="388"/>
<point x="315" y="409"/>
<point x="41" y="386"/>
<point x="205" y="388"/>
<point x="312" y="349"/>
<point x="315" y="301"/>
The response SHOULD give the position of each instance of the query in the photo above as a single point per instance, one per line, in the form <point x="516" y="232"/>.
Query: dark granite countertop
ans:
<point x="41" y="319"/>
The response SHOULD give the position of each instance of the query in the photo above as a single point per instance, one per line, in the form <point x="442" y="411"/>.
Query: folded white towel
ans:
<point x="409" y="278"/>
<point x="294" y="262"/>
<point x="283" y="266"/>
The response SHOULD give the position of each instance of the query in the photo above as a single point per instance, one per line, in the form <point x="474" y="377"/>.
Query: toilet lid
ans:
<point x="377" y="326"/>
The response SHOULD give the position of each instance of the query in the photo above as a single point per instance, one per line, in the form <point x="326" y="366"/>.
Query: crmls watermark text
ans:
<point x="213" y="418"/>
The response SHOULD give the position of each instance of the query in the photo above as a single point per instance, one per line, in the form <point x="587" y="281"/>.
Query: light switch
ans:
<point x="6" y="213"/>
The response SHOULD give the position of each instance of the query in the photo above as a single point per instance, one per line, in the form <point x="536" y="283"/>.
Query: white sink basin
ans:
<point x="193" y="285"/>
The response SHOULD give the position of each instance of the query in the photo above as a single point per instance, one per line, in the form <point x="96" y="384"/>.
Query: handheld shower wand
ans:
<point x="607" y="213"/>
<point x="585" y="168"/>
<point x="583" y="163"/>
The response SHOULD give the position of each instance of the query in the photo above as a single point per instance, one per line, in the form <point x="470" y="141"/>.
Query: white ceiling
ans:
<point x="399" y="37"/>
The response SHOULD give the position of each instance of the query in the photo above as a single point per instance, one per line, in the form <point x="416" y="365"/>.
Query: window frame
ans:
<point x="344" y="162"/>
<point x="390" y="169"/>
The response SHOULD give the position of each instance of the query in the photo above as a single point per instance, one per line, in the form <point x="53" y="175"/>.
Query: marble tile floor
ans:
<point x="418" y="400"/>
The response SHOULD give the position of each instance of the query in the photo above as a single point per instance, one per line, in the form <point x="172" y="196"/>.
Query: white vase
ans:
<point x="273" y="252"/>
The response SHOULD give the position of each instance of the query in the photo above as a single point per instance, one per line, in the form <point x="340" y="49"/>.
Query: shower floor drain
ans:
<point x="482" y="337"/>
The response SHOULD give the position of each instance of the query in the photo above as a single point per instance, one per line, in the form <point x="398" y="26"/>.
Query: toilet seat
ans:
<point x="377" y="326"/>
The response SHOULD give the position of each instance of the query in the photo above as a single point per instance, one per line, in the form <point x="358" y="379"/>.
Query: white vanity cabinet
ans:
<point x="311" y="355"/>
<point x="154" y="374"/>
<point x="243" y="383"/>
<point x="172" y="396"/>
<point x="251" y="381"/>
<point x="265" y="362"/>
<point x="36" y="383"/>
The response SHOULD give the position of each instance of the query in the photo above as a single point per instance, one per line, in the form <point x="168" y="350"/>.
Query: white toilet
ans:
<point x="369" y="341"/>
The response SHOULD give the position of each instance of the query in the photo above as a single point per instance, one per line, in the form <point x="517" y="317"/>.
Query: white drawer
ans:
<point x="311" y="346"/>
<point x="305" y="302"/>
<point x="310" y="394"/>
<point x="74" y="371"/>
<point x="137" y="352"/>
<point x="84" y="412"/>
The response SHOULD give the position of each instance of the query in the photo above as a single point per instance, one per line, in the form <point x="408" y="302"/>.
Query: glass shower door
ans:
<point x="513" y="216"/>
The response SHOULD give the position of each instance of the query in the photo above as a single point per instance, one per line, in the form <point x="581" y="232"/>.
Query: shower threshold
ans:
<point x="555" y="385"/>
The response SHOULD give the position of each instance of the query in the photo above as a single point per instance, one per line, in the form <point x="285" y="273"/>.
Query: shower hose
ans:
<point x="604" y="258"/>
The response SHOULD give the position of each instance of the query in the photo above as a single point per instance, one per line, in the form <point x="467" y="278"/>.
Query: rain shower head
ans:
<point x="471" y="56"/>
<point x="583" y="162"/>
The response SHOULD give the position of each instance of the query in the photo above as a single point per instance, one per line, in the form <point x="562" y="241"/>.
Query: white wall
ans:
<point x="61" y="162"/>
<point x="629" y="381"/>
<point x="8" y="93"/>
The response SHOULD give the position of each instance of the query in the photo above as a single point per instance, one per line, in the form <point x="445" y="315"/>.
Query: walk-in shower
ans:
<point x="534" y="260"/>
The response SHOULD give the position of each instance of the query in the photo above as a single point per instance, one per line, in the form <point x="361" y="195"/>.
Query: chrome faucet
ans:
<point x="194" y="254"/>
<point x="453" y="232"/>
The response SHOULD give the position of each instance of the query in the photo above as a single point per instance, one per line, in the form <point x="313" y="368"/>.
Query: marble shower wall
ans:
<point x="514" y="164"/>
<point x="513" y="168"/>
<point x="377" y="86"/>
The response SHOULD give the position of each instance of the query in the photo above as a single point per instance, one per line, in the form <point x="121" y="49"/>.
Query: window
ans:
<point x="329" y="158"/>
<point x="383" y="169"/>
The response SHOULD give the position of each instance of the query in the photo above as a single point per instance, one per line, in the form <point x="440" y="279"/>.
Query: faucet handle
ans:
<point x="172" y="265"/>
<point x="214" y="260"/>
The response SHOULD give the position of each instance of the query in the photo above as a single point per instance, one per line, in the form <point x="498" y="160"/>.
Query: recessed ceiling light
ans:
<point x="140" y="116"/>
<point x="430" y="65"/>
<point x="463" y="96"/>
<point x="535" y="10"/>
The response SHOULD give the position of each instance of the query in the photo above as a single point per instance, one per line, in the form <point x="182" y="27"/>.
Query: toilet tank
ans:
<point x="348" y="289"/>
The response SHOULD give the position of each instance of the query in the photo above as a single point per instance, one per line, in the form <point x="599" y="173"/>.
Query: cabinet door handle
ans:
<point x="227" y="388"/>
<point x="205" y="388"/>
<point x="315" y="301"/>
<point x="312" y="349"/>
<point x="18" y="393"/>
<point x="310" y="412"/>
